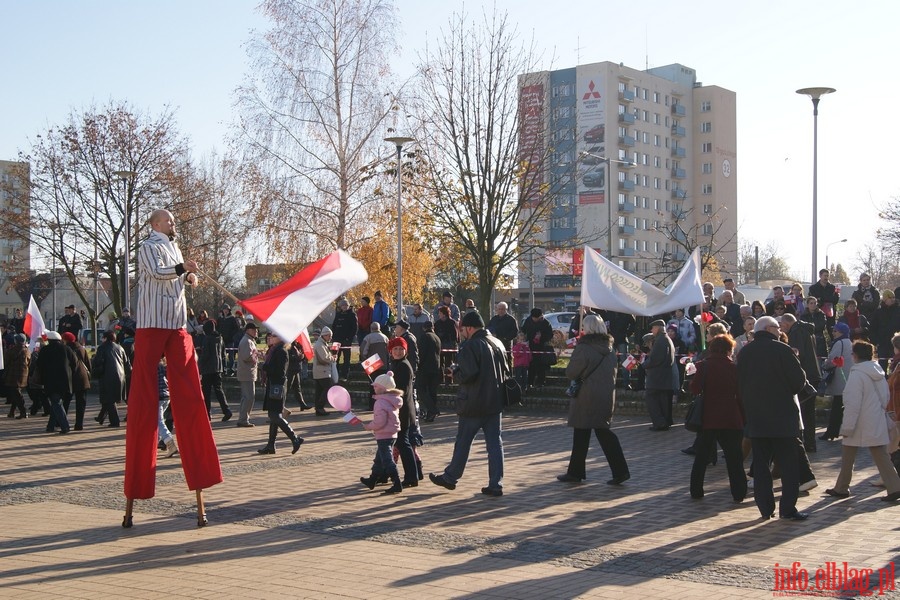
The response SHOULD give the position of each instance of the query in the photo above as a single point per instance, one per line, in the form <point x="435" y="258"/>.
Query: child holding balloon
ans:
<point x="385" y="424"/>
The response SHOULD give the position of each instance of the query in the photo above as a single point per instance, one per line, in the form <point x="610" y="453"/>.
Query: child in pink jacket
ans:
<point x="521" y="354"/>
<point x="385" y="425"/>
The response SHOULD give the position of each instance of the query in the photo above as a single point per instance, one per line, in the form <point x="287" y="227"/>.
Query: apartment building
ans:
<point x="634" y="162"/>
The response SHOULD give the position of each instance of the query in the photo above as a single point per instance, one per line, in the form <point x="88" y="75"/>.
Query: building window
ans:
<point x="705" y="127"/>
<point x="656" y="118"/>
<point x="563" y="112"/>
<point x="707" y="229"/>
<point x="622" y="243"/>
<point x="645" y="202"/>
<point x="656" y="162"/>
<point x="707" y="209"/>
<point x="707" y="189"/>
<point x="656" y="204"/>
<point x="622" y="199"/>
<point x="656" y="97"/>
<point x="646" y="115"/>
<point x="645" y="159"/>
<point x="644" y="93"/>
<point x="656" y="187"/>
<point x="705" y="106"/>
<point x="706" y="169"/>
<point x="564" y="89"/>
<point x="656" y="140"/>
<point x="623" y="87"/>
<point x="656" y="247"/>
<point x="644" y="247"/>
<point x="706" y="148"/>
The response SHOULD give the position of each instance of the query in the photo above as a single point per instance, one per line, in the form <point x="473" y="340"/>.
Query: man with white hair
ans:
<point x="503" y="326"/>
<point x="773" y="416"/>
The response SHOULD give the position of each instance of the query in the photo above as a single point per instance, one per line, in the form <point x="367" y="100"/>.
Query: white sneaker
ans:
<point x="171" y="448"/>
<point x="806" y="486"/>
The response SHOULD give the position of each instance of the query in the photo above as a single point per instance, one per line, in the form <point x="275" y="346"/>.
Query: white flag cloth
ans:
<point x="607" y="286"/>
<point x="290" y="307"/>
<point x="34" y="324"/>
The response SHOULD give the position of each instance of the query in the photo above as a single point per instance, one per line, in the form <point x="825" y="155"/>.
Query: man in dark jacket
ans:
<point x="70" y="322"/>
<point x="827" y="295"/>
<point x="769" y="379"/>
<point x="539" y="334"/>
<point x="429" y="374"/>
<point x="503" y="326"/>
<point x="343" y="330"/>
<point x="111" y="368"/>
<point x="801" y="337"/>
<point x="16" y="360"/>
<point x="480" y="371"/>
<point x="401" y="330"/>
<point x="56" y="366"/>
<point x="209" y="363"/>
<point x="658" y="379"/>
<point x="228" y="329"/>
<point x="81" y="380"/>
<point x="866" y="296"/>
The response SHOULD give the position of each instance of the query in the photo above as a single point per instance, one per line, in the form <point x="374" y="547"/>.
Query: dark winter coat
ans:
<point x="81" y="379"/>
<point x="429" y="354"/>
<point x="504" y="328"/>
<point x="209" y="360"/>
<point x="403" y="377"/>
<point x="344" y="327"/>
<point x="769" y="379"/>
<point x="412" y="351"/>
<point x="802" y="338"/>
<point x="56" y="367"/>
<point x="658" y="366"/>
<point x="16" y="360"/>
<point x="111" y="365"/>
<point x="594" y="362"/>
<point x="275" y="369"/>
<point x="716" y="379"/>
<point x="482" y="367"/>
<point x="884" y="324"/>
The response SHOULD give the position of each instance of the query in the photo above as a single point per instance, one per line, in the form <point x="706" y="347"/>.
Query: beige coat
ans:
<point x="322" y="359"/>
<point x="247" y="359"/>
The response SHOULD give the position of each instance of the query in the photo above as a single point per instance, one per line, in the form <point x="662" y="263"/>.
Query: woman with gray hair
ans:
<point x="594" y="364"/>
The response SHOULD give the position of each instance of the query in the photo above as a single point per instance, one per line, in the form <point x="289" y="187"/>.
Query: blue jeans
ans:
<point x="465" y="435"/>
<point x="384" y="460"/>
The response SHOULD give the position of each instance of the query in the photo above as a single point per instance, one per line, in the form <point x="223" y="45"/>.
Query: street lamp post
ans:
<point x="828" y="247"/>
<point x="126" y="293"/>
<point x="398" y="141"/>
<point x="815" y="93"/>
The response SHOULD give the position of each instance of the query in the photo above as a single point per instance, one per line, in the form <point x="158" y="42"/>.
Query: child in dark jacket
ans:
<point x="385" y="425"/>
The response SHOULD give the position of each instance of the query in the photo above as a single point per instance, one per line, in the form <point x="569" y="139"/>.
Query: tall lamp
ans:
<point x="126" y="293"/>
<point x="398" y="141"/>
<point x="815" y="93"/>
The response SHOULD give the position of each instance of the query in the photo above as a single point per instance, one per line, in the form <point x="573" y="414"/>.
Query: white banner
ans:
<point x="607" y="286"/>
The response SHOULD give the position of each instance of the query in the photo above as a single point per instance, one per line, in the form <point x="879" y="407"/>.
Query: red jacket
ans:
<point x="717" y="378"/>
<point x="364" y="318"/>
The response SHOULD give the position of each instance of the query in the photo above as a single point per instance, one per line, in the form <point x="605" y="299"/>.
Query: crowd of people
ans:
<point x="759" y="367"/>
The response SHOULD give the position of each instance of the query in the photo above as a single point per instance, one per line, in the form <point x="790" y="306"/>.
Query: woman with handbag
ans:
<point x="594" y="364"/>
<point x="275" y="369"/>
<point x="723" y="417"/>
<point x="866" y="399"/>
<point x="836" y="369"/>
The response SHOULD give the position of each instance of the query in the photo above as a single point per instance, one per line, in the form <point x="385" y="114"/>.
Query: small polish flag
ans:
<point x="689" y="369"/>
<point x="336" y="347"/>
<point x="572" y="342"/>
<point x="630" y="362"/>
<point x="289" y="308"/>
<point x="372" y="364"/>
<point x="34" y="324"/>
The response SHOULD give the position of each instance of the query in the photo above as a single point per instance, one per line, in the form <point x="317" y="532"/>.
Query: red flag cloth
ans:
<point x="290" y="307"/>
<point x="34" y="324"/>
<point x="305" y="344"/>
<point x="838" y="361"/>
<point x="707" y="316"/>
<point x="372" y="364"/>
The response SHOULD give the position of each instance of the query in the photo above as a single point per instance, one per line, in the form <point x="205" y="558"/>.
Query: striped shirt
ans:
<point x="161" y="302"/>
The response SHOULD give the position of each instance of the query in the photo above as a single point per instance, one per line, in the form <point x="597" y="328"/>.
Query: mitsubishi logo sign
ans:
<point x="591" y="93"/>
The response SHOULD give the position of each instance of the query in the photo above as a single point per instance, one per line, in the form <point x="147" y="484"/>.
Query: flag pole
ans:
<point x="218" y="286"/>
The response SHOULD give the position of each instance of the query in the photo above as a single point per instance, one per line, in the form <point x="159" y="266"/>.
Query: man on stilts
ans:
<point x="161" y="322"/>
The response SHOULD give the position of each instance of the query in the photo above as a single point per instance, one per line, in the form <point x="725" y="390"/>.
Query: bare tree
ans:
<point x="890" y="234"/>
<point x="760" y="264"/>
<point x="77" y="199"/>
<point x="487" y="195"/>
<point x="313" y="113"/>
<point x="881" y="264"/>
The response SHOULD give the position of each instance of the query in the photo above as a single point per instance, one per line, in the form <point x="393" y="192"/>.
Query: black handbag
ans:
<point x="276" y="392"/>
<point x="693" y="420"/>
<point x="512" y="392"/>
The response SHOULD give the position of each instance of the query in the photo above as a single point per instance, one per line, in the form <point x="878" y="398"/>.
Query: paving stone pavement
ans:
<point x="303" y="526"/>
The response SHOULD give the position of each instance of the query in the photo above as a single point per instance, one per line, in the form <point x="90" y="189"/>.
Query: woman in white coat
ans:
<point x="866" y="398"/>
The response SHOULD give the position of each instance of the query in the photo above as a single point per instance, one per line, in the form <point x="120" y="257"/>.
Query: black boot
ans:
<point x="397" y="487"/>
<point x="369" y="482"/>
<point x="12" y="412"/>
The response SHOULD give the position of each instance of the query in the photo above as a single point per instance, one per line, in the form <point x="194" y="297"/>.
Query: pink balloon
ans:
<point x="339" y="398"/>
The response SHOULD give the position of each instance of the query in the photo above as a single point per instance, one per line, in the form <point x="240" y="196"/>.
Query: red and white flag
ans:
<point x="372" y="364"/>
<point x="630" y="362"/>
<point x="289" y="308"/>
<point x="34" y="324"/>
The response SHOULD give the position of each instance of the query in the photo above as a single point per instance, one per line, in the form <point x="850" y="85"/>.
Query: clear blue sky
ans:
<point x="60" y="54"/>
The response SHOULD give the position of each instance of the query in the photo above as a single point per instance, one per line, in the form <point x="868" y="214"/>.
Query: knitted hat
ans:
<point x="326" y="331"/>
<point x="472" y="319"/>
<point x="843" y="328"/>
<point x="68" y="337"/>
<point x="386" y="381"/>
<point x="397" y="341"/>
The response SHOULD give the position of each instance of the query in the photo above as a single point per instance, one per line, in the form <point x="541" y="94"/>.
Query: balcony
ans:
<point x="626" y="140"/>
<point x="679" y="173"/>
<point x="626" y="118"/>
<point x="678" y="152"/>
<point x="679" y="193"/>
<point x="626" y="186"/>
<point x="626" y="207"/>
<point x="626" y="251"/>
<point x="626" y="96"/>
<point x="626" y="230"/>
<point x="678" y="130"/>
<point x="679" y="110"/>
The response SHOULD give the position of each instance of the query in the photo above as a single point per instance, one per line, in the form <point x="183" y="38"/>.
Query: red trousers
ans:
<point x="196" y="445"/>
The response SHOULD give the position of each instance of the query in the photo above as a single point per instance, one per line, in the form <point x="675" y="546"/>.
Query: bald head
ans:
<point x="162" y="221"/>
